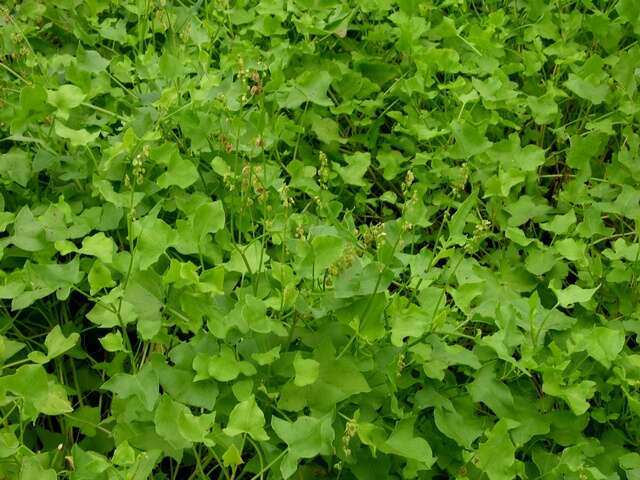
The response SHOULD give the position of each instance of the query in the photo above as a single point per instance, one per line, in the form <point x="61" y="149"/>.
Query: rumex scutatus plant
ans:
<point x="341" y="239"/>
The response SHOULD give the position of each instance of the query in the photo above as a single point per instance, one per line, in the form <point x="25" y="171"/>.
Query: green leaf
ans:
<point x="180" y="274"/>
<point x="254" y="313"/>
<point x="496" y="456"/>
<point x="180" y="384"/>
<point x="459" y="422"/>
<point x="123" y="454"/>
<point x="357" y="165"/>
<point x="560" y="224"/>
<point x="602" y="343"/>
<point x="459" y="219"/>
<point x="587" y="88"/>
<point x="310" y="86"/>
<point x="573" y="294"/>
<point x="630" y="461"/>
<point x="154" y="238"/>
<point x="415" y="321"/>
<point x="8" y="348"/>
<point x="223" y="367"/>
<point x="585" y="148"/>
<point x="629" y="10"/>
<point x="177" y="425"/>
<point x="212" y="280"/>
<point x="576" y="395"/>
<point x="180" y="172"/>
<point x="306" y="437"/>
<point x="338" y="380"/>
<point x="404" y="443"/>
<point x="391" y="162"/>
<point x="544" y="109"/>
<point x="143" y="385"/>
<point x="540" y="261"/>
<point x="100" y="246"/>
<point x="88" y="464"/>
<point x="246" y="417"/>
<point x="525" y="209"/>
<point x="9" y="444"/>
<point x="33" y="470"/>
<point x="77" y="138"/>
<point x="221" y="167"/>
<point x="232" y="457"/>
<point x="307" y="371"/>
<point x="56" y="344"/>
<point x="624" y="71"/>
<point x="208" y="218"/>
<point x="86" y="419"/>
<point x="28" y="234"/>
<point x="145" y="293"/>
<point x="469" y="140"/>
<point x="510" y="155"/>
<point x="571" y="249"/>
<point x="247" y="258"/>
<point x="518" y="236"/>
<point x="325" y="250"/>
<point x="99" y="277"/>
<point x="358" y="280"/>
<point x="65" y="98"/>
<point x="30" y="383"/>
<point x="327" y="130"/>
<point x="486" y="388"/>
<point x="105" y="312"/>
<point x="112" y="342"/>
<point x="15" y="165"/>
<point x="58" y="277"/>
<point x="268" y="357"/>
<point x="91" y="61"/>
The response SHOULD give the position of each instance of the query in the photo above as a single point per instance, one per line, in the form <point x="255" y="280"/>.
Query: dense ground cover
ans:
<point x="319" y="239"/>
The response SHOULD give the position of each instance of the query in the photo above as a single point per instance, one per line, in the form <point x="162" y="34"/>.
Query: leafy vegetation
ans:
<point x="319" y="239"/>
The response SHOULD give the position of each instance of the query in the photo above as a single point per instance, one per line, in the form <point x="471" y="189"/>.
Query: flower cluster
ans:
<point x="284" y="196"/>
<point x="350" y="431"/>
<point x="373" y="234"/>
<point x="138" y="170"/>
<point x="461" y="182"/>
<point x="480" y="232"/>
<point x="408" y="181"/>
<point x="323" y="171"/>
